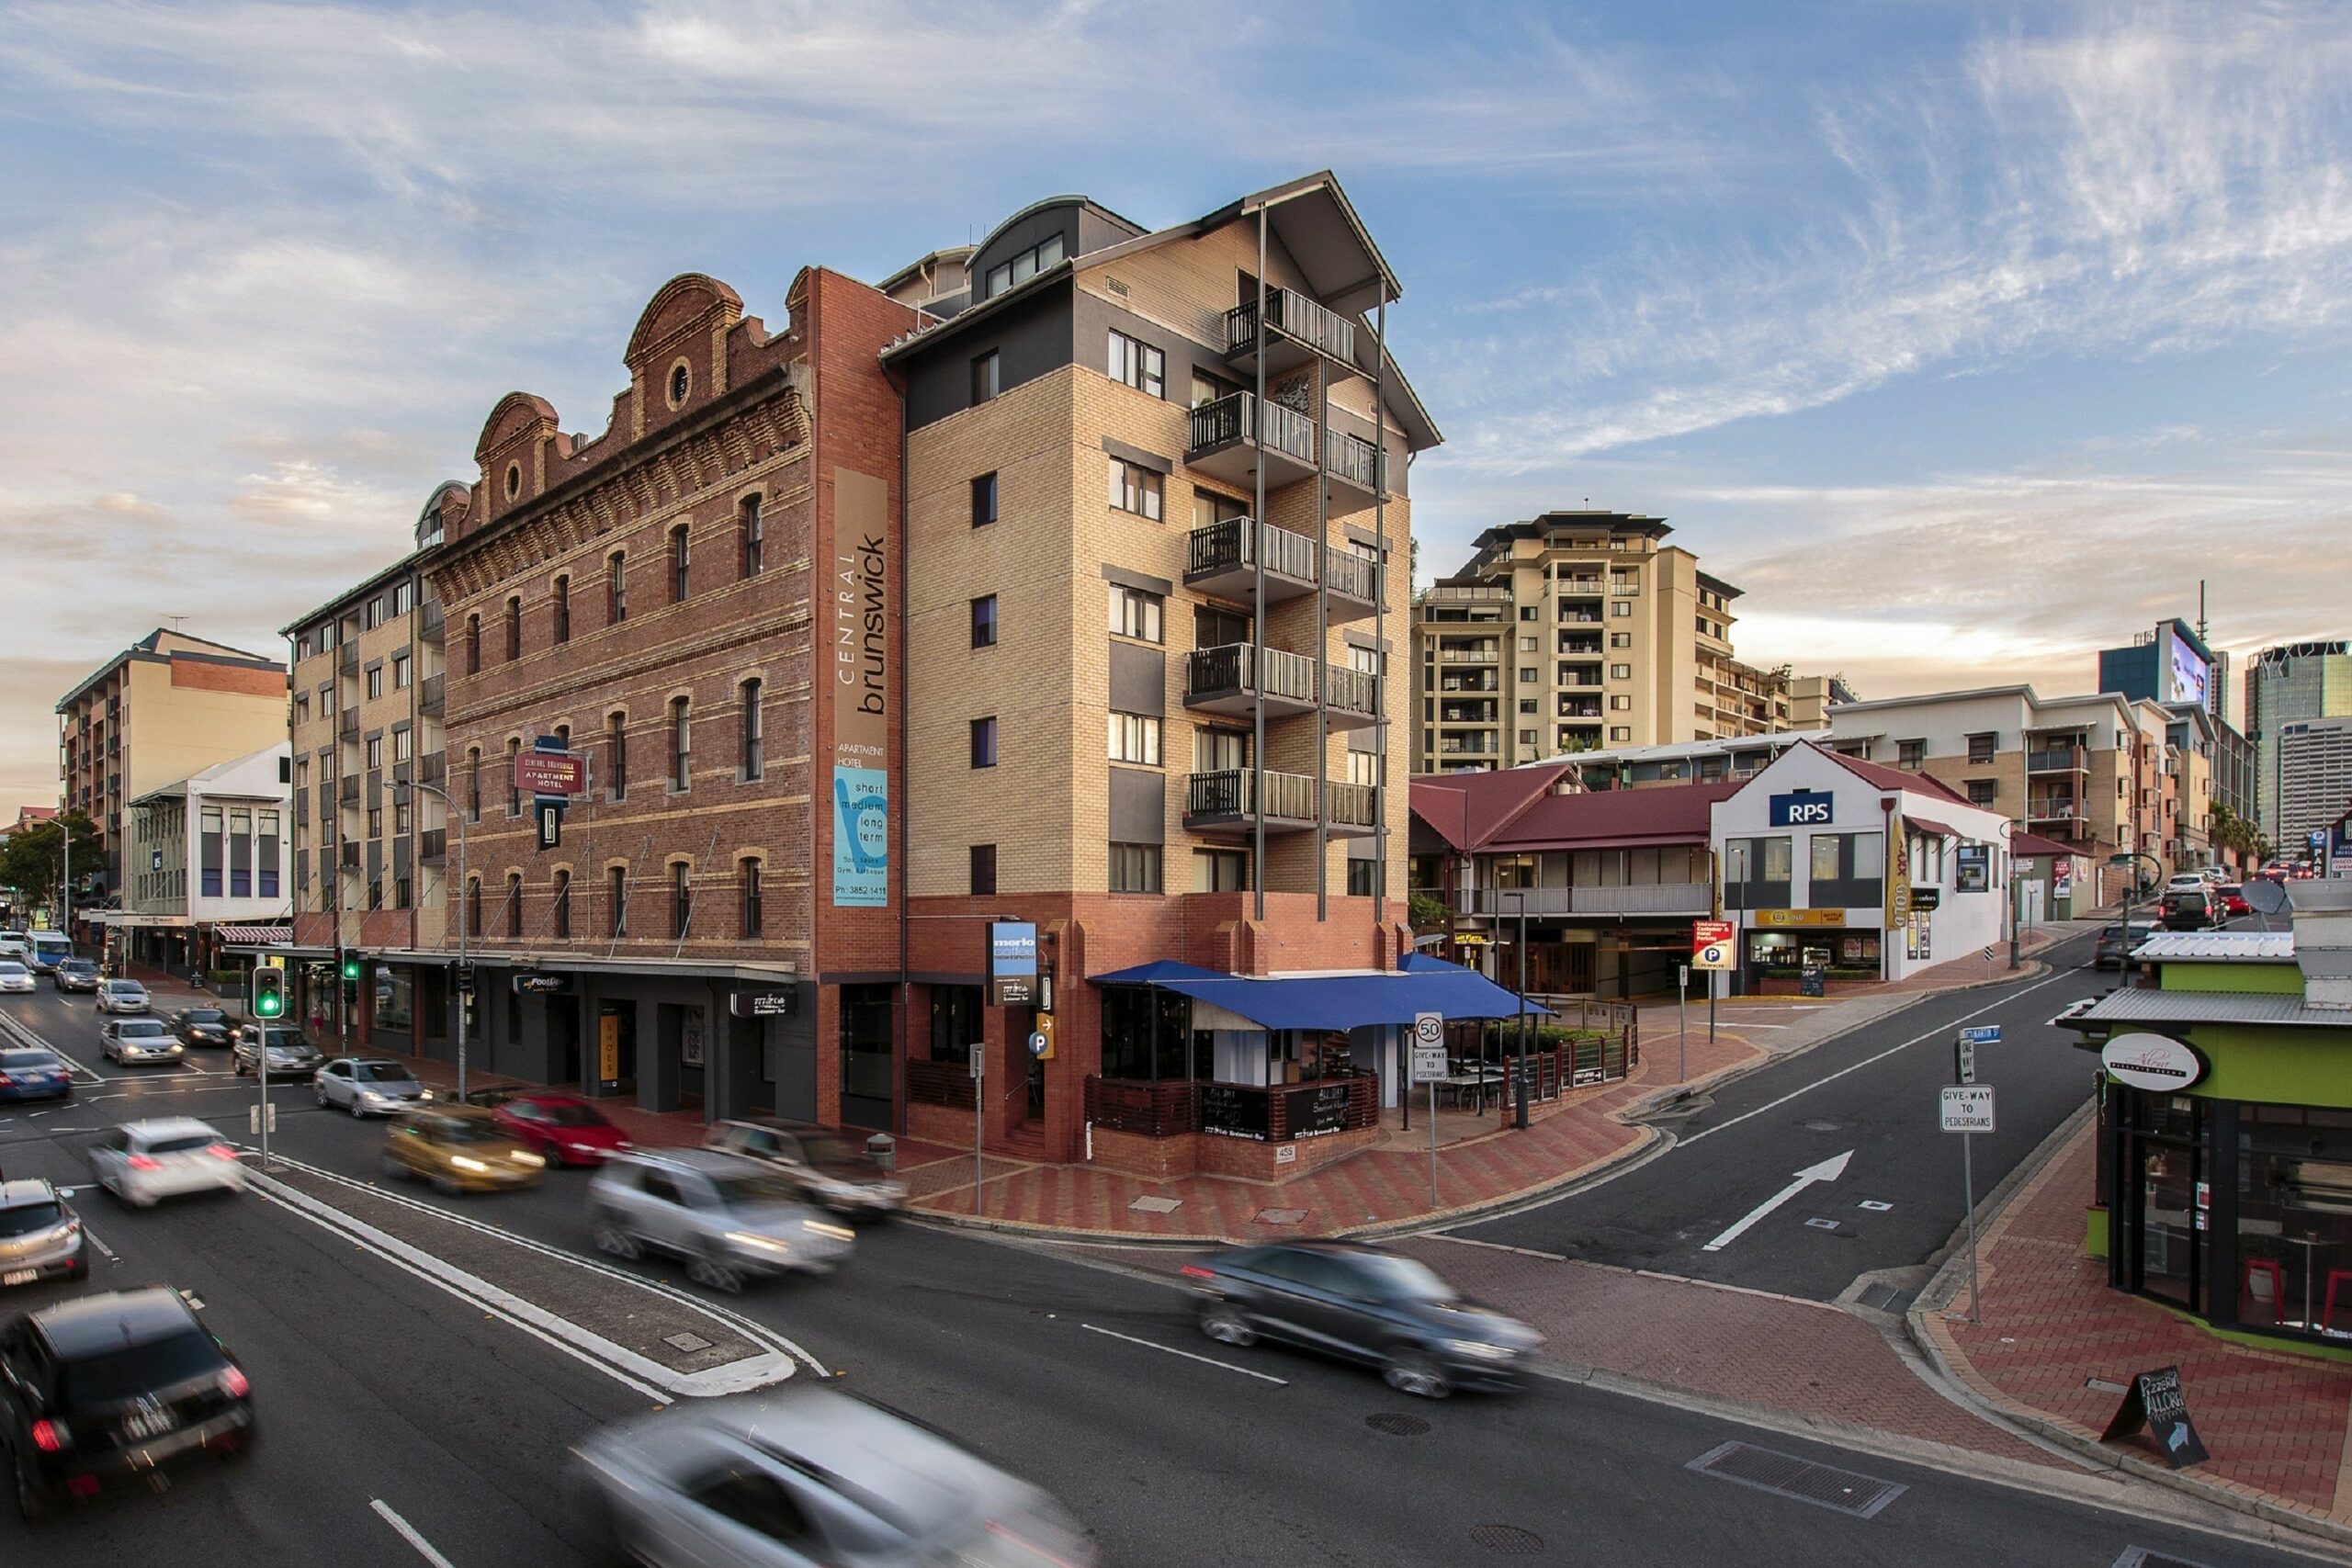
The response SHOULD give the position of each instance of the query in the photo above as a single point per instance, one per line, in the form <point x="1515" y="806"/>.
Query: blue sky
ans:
<point x="1966" y="338"/>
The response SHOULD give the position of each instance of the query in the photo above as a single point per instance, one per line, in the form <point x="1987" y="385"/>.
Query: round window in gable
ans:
<point x="681" y="381"/>
<point x="514" y="481"/>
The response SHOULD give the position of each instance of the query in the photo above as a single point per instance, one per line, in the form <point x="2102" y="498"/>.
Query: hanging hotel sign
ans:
<point x="864" y="588"/>
<point x="1013" y="963"/>
<point x="2151" y="1060"/>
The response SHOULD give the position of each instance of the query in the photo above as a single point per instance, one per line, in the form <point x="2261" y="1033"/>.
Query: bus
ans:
<point x="47" y="949"/>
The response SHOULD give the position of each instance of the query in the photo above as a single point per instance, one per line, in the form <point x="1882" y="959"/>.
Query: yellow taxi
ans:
<point x="461" y="1148"/>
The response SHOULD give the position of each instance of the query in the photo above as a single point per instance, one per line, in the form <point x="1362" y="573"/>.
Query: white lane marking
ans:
<point x="26" y="1036"/>
<point x="1171" y="1350"/>
<point x="1937" y="1032"/>
<point x="407" y="1533"/>
<point x="92" y="1237"/>
<point x="1828" y="1170"/>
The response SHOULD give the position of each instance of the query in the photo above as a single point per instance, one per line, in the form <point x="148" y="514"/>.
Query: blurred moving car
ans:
<point x="289" y="1053"/>
<point x="138" y="1041"/>
<point x="461" y="1148"/>
<point x="2189" y="910"/>
<point x="366" y="1086"/>
<point x="202" y="1026"/>
<point x="74" y="975"/>
<point x="40" y="1238"/>
<point x="140" y="1162"/>
<point x="102" y="1390"/>
<point x="2187" y="881"/>
<point x="34" y="1072"/>
<point x="16" y="944"/>
<point x="1363" y="1304"/>
<point x="2112" y="948"/>
<point x="811" y="1476"/>
<point x="828" y="1169"/>
<point x="15" y="975"/>
<point x="2233" y="898"/>
<point x="563" y="1128"/>
<point x="45" y="950"/>
<point x="727" y="1218"/>
<point x="122" y="997"/>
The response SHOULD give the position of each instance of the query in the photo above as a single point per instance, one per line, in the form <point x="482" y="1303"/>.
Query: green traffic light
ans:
<point x="351" y="968"/>
<point x="268" y="994"/>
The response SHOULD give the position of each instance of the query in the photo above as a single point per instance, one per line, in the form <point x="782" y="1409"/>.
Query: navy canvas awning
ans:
<point x="1334" y="1002"/>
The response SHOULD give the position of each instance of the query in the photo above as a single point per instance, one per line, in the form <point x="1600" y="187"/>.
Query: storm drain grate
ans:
<point x="1800" y="1479"/>
<point x="2141" y="1557"/>
<point x="1396" y="1426"/>
<point x="1508" y="1540"/>
<point x="689" y="1342"/>
<point x="1887" y="1298"/>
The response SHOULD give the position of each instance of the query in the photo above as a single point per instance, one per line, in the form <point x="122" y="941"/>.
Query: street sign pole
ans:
<point x="1683" y="1025"/>
<point x="1428" y="1056"/>
<point x="1967" y="1109"/>
<point x="1968" y="1190"/>
<point x="1712" y="976"/>
<point x="980" y="1119"/>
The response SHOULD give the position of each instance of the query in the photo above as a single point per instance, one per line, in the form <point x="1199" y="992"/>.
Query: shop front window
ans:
<point x="955" y="1023"/>
<point x="2294" y="1219"/>
<point x="1148" y="1034"/>
<point x="395" y="998"/>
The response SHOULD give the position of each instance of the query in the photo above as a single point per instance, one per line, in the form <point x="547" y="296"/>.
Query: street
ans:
<point x="1868" y="1097"/>
<point x="381" y="1393"/>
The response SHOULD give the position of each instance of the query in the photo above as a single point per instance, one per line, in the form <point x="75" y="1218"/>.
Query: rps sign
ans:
<point x="1803" y="808"/>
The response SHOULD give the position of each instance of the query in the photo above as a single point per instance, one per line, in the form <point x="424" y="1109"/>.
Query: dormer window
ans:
<point x="1020" y="269"/>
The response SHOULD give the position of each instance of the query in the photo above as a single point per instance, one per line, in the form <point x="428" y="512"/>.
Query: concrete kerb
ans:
<point x="1938" y="1293"/>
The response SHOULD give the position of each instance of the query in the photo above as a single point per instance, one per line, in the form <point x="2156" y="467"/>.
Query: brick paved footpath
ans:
<point x="2275" y="1421"/>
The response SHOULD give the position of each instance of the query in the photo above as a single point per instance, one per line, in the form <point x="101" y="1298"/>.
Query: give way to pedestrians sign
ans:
<point x="1968" y="1108"/>
<point x="1428" y="1047"/>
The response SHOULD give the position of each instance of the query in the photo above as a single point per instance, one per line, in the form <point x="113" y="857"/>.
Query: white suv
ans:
<point x="141" y="1161"/>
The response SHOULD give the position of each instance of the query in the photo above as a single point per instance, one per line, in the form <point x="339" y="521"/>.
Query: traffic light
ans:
<point x="351" y="962"/>
<point x="268" y="995"/>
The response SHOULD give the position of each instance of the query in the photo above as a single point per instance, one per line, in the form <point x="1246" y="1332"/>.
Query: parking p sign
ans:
<point x="1711" y="944"/>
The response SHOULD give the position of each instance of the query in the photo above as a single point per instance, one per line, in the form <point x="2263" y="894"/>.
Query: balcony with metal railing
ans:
<point x="430" y="700"/>
<point x="1464" y="593"/>
<point x="433" y="845"/>
<point x="1348" y="694"/>
<point x="429" y="625"/>
<point x="1624" y="899"/>
<point x="2058" y="760"/>
<point x="1468" y="712"/>
<point x="1297" y="329"/>
<point x="350" y="660"/>
<point x="2055" y="808"/>
<point x="1470" y="681"/>
<point x="1231" y="435"/>
<point x="347" y="724"/>
<point x="1222" y="558"/>
<point x="1354" y="465"/>
<point x="1353" y="582"/>
<point x="432" y="767"/>
<point x="1489" y="652"/>
<point x="1229" y="679"/>
<point x="1225" y="800"/>
<point x="347" y="789"/>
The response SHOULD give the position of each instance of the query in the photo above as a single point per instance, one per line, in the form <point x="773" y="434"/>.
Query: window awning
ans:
<point x="260" y="936"/>
<point x="1334" y="1002"/>
<point x="1921" y="824"/>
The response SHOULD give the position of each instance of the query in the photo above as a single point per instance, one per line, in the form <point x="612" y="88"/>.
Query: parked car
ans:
<point x="810" y="1474"/>
<point x="367" y="1086"/>
<point x="2112" y="948"/>
<point x="74" y="975"/>
<point x="461" y="1148"/>
<point x="2233" y="898"/>
<point x="40" y="1238"/>
<point x="563" y="1128"/>
<point x="1363" y="1304"/>
<point x="15" y="975"/>
<point x="34" y="1072"/>
<point x="727" y="1218"/>
<point x="102" y="1390"/>
<point x="828" y="1169"/>
<point x="202" y="1026"/>
<point x="2188" y="909"/>
<point x="289" y="1053"/>
<point x="122" y="997"/>
<point x="138" y="1041"/>
<point x="140" y="1162"/>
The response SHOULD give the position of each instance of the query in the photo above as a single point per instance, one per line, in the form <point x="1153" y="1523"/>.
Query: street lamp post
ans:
<point x="1520" y="896"/>
<point x="2126" y="859"/>
<point x="450" y="813"/>
<point x="2009" y="853"/>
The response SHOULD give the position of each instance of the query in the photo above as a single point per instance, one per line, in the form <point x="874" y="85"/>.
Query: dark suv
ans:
<point x="2189" y="910"/>
<point x="103" y="1389"/>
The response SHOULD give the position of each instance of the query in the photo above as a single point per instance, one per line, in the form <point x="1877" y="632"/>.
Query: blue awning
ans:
<point x="1334" y="1002"/>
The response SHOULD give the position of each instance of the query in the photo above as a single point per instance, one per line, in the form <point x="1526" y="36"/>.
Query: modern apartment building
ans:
<point x="168" y="705"/>
<point x="2315" y="779"/>
<point x="208" y="859"/>
<point x="2293" y="683"/>
<point x="1812" y="696"/>
<point x="370" y="863"/>
<point x="1579" y="631"/>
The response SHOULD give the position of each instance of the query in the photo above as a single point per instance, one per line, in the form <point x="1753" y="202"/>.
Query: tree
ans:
<point x="2234" y="833"/>
<point x="1427" y="911"/>
<point x="32" y="863"/>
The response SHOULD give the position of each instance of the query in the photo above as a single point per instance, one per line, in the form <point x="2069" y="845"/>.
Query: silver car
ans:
<point x="829" y="1167"/>
<point x="365" y="1086"/>
<point x="140" y="1162"/>
<point x="138" y="1041"/>
<point x="121" y="996"/>
<point x="39" y="1237"/>
<point x="809" y="1475"/>
<point x="728" y="1218"/>
<point x="289" y="1053"/>
<point x="15" y="977"/>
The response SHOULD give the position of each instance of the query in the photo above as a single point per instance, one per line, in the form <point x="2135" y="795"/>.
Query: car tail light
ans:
<point x="233" y="1383"/>
<point x="1195" y="1271"/>
<point x="220" y="1151"/>
<point x="82" y="1486"/>
<point x="145" y="1162"/>
<point x="6" y="1081"/>
<point x="50" y="1436"/>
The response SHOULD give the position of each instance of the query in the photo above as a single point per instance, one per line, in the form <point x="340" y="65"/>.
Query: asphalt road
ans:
<point x="1092" y="1382"/>
<point x="1870" y="1095"/>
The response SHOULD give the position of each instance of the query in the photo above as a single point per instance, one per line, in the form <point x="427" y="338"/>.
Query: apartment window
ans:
<point x="1213" y="627"/>
<point x="375" y="892"/>
<point x="1528" y="612"/>
<point x="514" y="789"/>
<point x="1135" y="868"/>
<point x="1219" y="750"/>
<point x="1528" y="675"/>
<point x="375" y="822"/>
<point x="983" y="500"/>
<point x="1621" y="639"/>
<point x="1220" y="871"/>
<point x="682" y="744"/>
<point x="983" y="743"/>
<point x="1528" y="645"/>
<point x="678" y="564"/>
<point x="1207" y="388"/>
<point x="984" y="376"/>
<point x="983" y="870"/>
<point x="473" y="783"/>
<point x="375" y="614"/>
<point x="400" y="816"/>
<point x="473" y="645"/>
<point x="616" y="586"/>
<point x="1530" y="704"/>
<point x="404" y="673"/>
<point x="1136" y="488"/>
<point x="375" y="679"/>
<point x="1980" y="748"/>
<point x="404" y="893"/>
<point x="1622" y="608"/>
<point x="514" y="903"/>
<point x="1621" y="705"/>
<point x="682" y="900"/>
<point x="514" y="626"/>
<point x="1139" y="364"/>
<point x="404" y="598"/>
<point x="1982" y="791"/>
<point x="751" y="726"/>
<point x="984" y="621"/>
<point x="617" y="890"/>
<point x="560" y="907"/>
<point x="302" y="707"/>
<point x="1046" y="253"/>
<point x="1363" y="768"/>
<point x="1527" y="738"/>
<point x="1910" y="753"/>
<point x="617" y="749"/>
<point x="374" y="751"/>
<point x="1621" y="732"/>
<point x="403" y="745"/>
<point x="473" y="906"/>
<point x="1209" y="507"/>
<point x="1621" y="672"/>
<point x="751" y="534"/>
<point x="559" y="602"/>
<point x="1137" y="614"/>
<point x="1624" y="583"/>
<point x="754" y="917"/>
<point x="1134" y="738"/>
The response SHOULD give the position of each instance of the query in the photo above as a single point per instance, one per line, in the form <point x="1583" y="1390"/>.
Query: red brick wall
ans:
<point x="191" y="674"/>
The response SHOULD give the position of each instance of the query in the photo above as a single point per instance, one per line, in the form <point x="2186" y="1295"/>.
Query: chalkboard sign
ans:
<point x="2156" y="1402"/>
<point x="1232" y="1111"/>
<point x="1324" y="1110"/>
<point x="1813" y="983"/>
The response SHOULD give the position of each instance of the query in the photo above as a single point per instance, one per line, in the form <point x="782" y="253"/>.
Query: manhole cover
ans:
<point x="689" y="1343"/>
<point x="1396" y="1426"/>
<point x="1509" y="1540"/>
<point x="1281" y="1216"/>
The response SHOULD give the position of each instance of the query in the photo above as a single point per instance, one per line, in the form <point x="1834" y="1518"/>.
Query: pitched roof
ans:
<point x="1885" y="777"/>
<point x="1616" y="819"/>
<point x="2145" y="1005"/>
<point x="2243" y="947"/>
<point x="1467" y="810"/>
<point x="2035" y="844"/>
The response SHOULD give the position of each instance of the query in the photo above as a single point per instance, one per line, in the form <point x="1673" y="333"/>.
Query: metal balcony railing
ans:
<point x="1487" y="653"/>
<point x="347" y="791"/>
<point x="1235" y="542"/>
<point x="347" y="723"/>
<point x="1233" y="668"/>
<point x="429" y="627"/>
<point x="1349" y="574"/>
<point x="433" y="845"/>
<point x="2057" y="760"/>
<point x="1229" y="419"/>
<point x="1467" y="592"/>
<point x="1350" y="691"/>
<point x="432" y="767"/>
<point x="1229" y="793"/>
<point x="429" y="698"/>
<point x="1352" y="459"/>
<point x="1633" y="898"/>
<point x="1293" y="315"/>
<point x="349" y="659"/>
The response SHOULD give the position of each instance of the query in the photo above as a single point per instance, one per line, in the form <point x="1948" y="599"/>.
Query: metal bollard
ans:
<point x="883" y="1149"/>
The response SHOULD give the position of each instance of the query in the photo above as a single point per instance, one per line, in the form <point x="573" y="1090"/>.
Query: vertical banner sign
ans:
<point x="862" y="684"/>
<point x="1899" y="881"/>
<point x="608" y="1048"/>
<point x="1013" y="963"/>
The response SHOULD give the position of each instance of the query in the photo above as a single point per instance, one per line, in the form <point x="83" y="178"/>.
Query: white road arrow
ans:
<point x="1828" y="1170"/>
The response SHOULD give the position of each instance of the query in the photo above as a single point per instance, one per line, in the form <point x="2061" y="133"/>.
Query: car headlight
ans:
<point x="468" y="1162"/>
<point x="175" y="1047"/>
<point x="426" y="1095"/>
<point x="371" y="1094"/>
<point x="525" y="1156"/>
<point x="819" y="1227"/>
<point x="1476" y="1350"/>
<point x="758" y="1243"/>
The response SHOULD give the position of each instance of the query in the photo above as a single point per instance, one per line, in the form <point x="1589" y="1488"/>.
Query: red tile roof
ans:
<point x="1466" y="808"/>
<point x="2035" y="844"/>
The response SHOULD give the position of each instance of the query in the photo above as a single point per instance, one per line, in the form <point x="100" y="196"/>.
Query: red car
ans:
<point x="2233" y="897"/>
<point x="564" y="1127"/>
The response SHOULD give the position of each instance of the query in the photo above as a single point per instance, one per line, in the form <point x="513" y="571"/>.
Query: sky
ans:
<point x="1965" y="338"/>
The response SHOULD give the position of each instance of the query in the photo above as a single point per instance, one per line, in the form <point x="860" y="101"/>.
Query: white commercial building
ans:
<point x="206" y="862"/>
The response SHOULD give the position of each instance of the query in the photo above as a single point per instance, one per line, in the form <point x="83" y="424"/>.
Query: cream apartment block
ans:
<point x="168" y="705"/>
<point x="1574" y="632"/>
